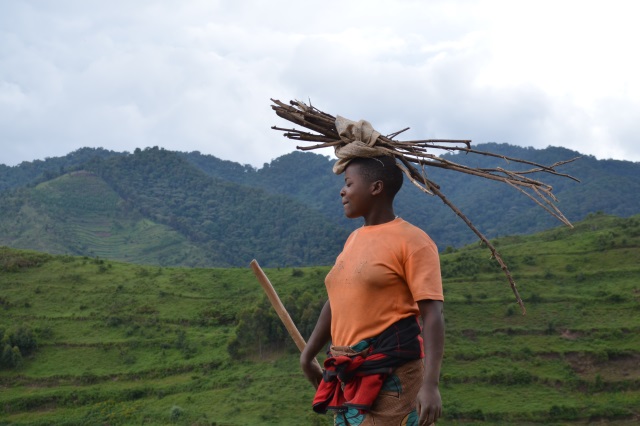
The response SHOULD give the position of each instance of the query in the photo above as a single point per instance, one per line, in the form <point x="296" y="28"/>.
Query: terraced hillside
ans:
<point x="79" y="213"/>
<point x="114" y="343"/>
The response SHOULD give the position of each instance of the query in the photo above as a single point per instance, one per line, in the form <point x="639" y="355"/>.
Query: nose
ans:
<point x="342" y="191"/>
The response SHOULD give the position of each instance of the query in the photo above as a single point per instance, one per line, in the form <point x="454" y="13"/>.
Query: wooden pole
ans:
<point x="279" y="307"/>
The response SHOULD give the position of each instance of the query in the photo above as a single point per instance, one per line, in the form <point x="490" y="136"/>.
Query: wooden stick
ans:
<point x="494" y="252"/>
<point x="279" y="307"/>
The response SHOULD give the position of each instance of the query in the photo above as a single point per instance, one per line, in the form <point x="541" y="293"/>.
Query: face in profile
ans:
<point x="356" y="192"/>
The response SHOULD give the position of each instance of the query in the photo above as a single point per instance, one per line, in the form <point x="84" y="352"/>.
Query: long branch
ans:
<point x="494" y="251"/>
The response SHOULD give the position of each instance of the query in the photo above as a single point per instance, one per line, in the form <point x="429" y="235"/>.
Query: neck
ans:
<point x="379" y="217"/>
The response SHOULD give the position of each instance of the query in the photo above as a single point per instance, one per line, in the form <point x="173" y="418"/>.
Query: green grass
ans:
<point x="120" y="343"/>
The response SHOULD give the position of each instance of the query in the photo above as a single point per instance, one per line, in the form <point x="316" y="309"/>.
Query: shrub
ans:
<point x="21" y="337"/>
<point x="616" y="298"/>
<point x="514" y="377"/>
<point x="476" y="414"/>
<point x="13" y="261"/>
<point x="88" y="378"/>
<point x="535" y="298"/>
<point x="10" y="357"/>
<point x="214" y="316"/>
<point x="260" y="331"/>
<point x="181" y="343"/>
<point x="113" y="321"/>
<point x="5" y="303"/>
<point x="562" y="412"/>
<point x="609" y="412"/>
<point x="175" y="413"/>
<point x="605" y="241"/>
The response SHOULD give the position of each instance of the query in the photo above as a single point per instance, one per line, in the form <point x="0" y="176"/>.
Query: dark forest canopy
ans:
<point x="174" y="208"/>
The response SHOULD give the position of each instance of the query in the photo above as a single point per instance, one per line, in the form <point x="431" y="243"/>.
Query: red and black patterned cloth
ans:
<point x="355" y="381"/>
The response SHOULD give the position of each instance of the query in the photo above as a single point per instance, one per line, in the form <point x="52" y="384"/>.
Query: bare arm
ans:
<point x="429" y="400"/>
<point x="319" y="338"/>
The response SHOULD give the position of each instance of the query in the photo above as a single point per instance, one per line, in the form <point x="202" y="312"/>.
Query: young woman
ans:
<point x="383" y="368"/>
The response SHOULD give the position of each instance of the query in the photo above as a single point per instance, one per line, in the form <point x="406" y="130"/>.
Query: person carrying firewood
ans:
<point x="387" y="278"/>
<point x="384" y="317"/>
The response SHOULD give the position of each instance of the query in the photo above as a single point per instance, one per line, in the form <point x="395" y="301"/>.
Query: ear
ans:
<point x="377" y="187"/>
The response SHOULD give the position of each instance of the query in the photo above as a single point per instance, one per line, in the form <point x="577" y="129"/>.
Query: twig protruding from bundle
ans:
<point x="414" y="156"/>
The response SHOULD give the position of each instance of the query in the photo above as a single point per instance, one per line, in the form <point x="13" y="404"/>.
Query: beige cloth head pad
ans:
<point x="359" y="139"/>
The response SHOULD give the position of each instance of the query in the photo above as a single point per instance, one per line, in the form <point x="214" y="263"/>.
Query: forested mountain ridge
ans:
<point x="233" y="221"/>
<point x="205" y="221"/>
<point x="307" y="177"/>
<point x="197" y="210"/>
<point x="496" y="209"/>
<point x="32" y="172"/>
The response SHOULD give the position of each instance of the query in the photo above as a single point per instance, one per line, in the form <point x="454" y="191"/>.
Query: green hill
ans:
<point x="115" y="343"/>
<point x="204" y="211"/>
<point x="78" y="213"/>
<point x="33" y="172"/>
<point x="232" y="222"/>
<point x="154" y="207"/>
<point x="496" y="209"/>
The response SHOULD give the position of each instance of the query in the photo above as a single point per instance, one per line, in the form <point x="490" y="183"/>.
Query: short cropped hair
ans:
<point x="381" y="168"/>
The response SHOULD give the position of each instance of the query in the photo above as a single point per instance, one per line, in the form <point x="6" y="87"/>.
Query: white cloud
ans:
<point x="198" y="75"/>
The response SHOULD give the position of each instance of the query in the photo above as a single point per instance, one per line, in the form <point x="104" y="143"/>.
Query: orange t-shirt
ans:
<point x="381" y="273"/>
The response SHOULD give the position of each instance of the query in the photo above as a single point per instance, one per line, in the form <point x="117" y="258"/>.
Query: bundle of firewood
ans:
<point x="414" y="157"/>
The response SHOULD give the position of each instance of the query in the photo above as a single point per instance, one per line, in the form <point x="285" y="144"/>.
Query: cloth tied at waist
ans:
<point x="354" y="376"/>
<point x="359" y="139"/>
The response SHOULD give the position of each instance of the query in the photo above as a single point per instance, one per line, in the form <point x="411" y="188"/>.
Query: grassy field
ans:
<point x="121" y="344"/>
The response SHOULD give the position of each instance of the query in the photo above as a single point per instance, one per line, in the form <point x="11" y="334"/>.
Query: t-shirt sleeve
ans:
<point x="423" y="276"/>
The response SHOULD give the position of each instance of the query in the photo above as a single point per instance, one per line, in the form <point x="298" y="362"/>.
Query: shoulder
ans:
<point x="414" y="234"/>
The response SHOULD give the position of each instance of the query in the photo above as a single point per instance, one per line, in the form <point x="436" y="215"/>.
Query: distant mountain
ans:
<point x="608" y="186"/>
<point x="32" y="172"/>
<point x="170" y="208"/>
<point x="198" y="220"/>
<point x="305" y="176"/>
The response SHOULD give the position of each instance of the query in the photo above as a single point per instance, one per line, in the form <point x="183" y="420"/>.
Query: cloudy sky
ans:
<point x="198" y="75"/>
